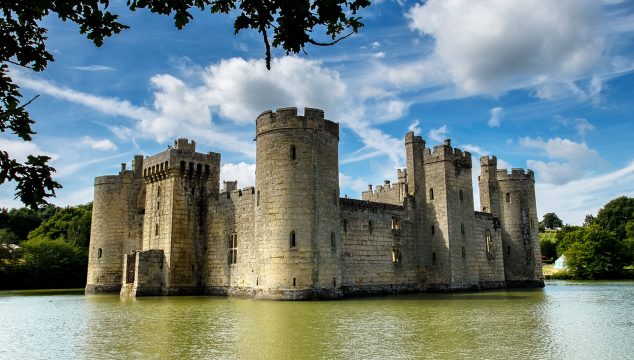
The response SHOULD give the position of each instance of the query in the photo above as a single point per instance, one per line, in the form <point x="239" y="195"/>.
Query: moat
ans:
<point x="565" y="320"/>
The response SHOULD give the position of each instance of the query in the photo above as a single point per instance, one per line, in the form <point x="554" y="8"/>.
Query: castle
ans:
<point x="166" y="228"/>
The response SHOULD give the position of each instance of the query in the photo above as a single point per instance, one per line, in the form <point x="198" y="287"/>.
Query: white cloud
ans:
<point x="19" y="149"/>
<point x="474" y="149"/>
<point x="569" y="160"/>
<point x="491" y="46"/>
<point x="414" y="127"/>
<point x="348" y="183"/>
<point x="378" y="55"/>
<point x="497" y="113"/>
<point x="439" y="135"/>
<point x="376" y="45"/>
<point x="580" y="197"/>
<point x="102" y="145"/>
<point x="93" y="68"/>
<point x="581" y="125"/>
<point x="242" y="172"/>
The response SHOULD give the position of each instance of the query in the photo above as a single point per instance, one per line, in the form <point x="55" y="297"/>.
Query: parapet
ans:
<point x="445" y="152"/>
<point x="230" y="185"/>
<point x="488" y="161"/>
<point x="181" y="158"/>
<point x="287" y="118"/>
<point x="516" y="174"/>
<point x="183" y="144"/>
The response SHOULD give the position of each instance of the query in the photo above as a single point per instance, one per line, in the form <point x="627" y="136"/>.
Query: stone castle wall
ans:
<point x="165" y="228"/>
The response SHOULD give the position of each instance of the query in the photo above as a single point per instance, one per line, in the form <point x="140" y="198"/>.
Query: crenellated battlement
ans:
<point x="287" y="118"/>
<point x="411" y="138"/>
<point x="181" y="159"/>
<point x="445" y="152"/>
<point x="515" y="174"/>
<point x="244" y="194"/>
<point x="489" y="161"/>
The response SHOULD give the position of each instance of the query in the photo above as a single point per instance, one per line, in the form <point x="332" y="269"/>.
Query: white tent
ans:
<point x="561" y="263"/>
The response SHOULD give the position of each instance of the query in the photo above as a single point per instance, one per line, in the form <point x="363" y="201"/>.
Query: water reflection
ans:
<point x="565" y="320"/>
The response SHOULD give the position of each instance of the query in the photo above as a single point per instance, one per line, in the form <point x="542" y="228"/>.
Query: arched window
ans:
<point x="293" y="152"/>
<point x="99" y="253"/>
<point x="292" y="239"/>
<point x="431" y="194"/>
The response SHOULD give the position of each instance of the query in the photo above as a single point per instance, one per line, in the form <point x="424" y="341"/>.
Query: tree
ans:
<point x="22" y="43"/>
<point x="552" y="221"/>
<point x="597" y="255"/>
<point x="615" y="215"/>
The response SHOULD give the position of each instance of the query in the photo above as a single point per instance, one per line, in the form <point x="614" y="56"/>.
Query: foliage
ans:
<point x="71" y="224"/>
<point x="21" y="221"/>
<point x="567" y="236"/>
<point x="552" y="221"/>
<point x="548" y="246"/>
<point x="56" y="252"/>
<point x="615" y="215"/>
<point x="598" y="254"/>
<point x="22" y="43"/>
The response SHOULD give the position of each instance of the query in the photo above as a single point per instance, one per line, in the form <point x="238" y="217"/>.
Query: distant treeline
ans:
<point x="44" y="248"/>
<point x="602" y="248"/>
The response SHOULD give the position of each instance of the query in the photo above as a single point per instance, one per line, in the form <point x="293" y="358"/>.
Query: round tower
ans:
<point x="297" y="205"/>
<point x="520" y="237"/>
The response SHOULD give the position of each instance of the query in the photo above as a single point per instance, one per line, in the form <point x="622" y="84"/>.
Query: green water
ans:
<point x="566" y="320"/>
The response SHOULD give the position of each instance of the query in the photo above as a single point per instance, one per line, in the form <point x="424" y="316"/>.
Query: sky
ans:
<point x="542" y="84"/>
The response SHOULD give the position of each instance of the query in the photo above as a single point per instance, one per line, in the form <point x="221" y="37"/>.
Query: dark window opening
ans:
<point x="431" y="194"/>
<point x="293" y="152"/>
<point x="460" y="194"/>
<point x="156" y="230"/>
<point x="433" y="229"/>
<point x="462" y="229"/>
<point x="508" y="250"/>
<point x="292" y="239"/>
<point x="484" y="209"/>
<point x="257" y="281"/>
<point x="396" y="255"/>
<point x="333" y="242"/>
<point x="508" y="197"/>
<point x="199" y="168"/>
<point x="99" y="253"/>
<point x="334" y="282"/>
<point x="370" y="226"/>
<point x="396" y="223"/>
<point x="488" y="240"/>
<point x="464" y="254"/>
<point x="294" y="282"/>
<point x="158" y="191"/>
<point x="532" y="224"/>
<point x="257" y="201"/>
<point x="433" y="258"/>
<point x="344" y="223"/>
<point x="182" y="167"/>
<point x="233" y="248"/>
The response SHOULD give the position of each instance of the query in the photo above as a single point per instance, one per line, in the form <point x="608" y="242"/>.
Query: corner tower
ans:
<point x="520" y="238"/>
<point x="297" y="216"/>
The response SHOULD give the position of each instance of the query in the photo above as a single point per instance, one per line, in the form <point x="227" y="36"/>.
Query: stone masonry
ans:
<point x="166" y="228"/>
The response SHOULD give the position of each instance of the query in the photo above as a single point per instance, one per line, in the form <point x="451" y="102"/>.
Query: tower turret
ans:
<point x="520" y="238"/>
<point x="297" y="217"/>
<point x="489" y="188"/>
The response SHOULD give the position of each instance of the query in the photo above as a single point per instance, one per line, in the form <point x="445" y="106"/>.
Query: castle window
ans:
<point x="206" y="169"/>
<point x="460" y="195"/>
<point x="292" y="239"/>
<point x="158" y="191"/>
<point x="484" y="209"/>
<point x="99" y="253"/>
<point x="488" y="240"/>
<point x="464" y="254"/>
<point x="462" y="229"/>
<point x="182" y="167"/>
<point x="433" y="258"/>
<point x="344" y="223"/>
<point x="333" y="242"/>
<point x="293" y="152"/>
<point x="396" y="223"/>
<point x="370" y="226"/>
<point x="433" y="229"/>
<point x="431" y="194"/>
<point x="294" y="282"/>
<point x="257" y="197"/>
<point x="508" y="197"/>
<point x="233" y="248"/>
<point x="156" y="229"/>
<point x="508" y="250"/>
<point x="334" y="282"/>
<point x="532" y="224"/>
<point x="396" y="255"/>
<point x="191" y="168"/>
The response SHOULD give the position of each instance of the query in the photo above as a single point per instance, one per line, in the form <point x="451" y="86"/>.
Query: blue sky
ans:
<point x="546" y="85"/>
